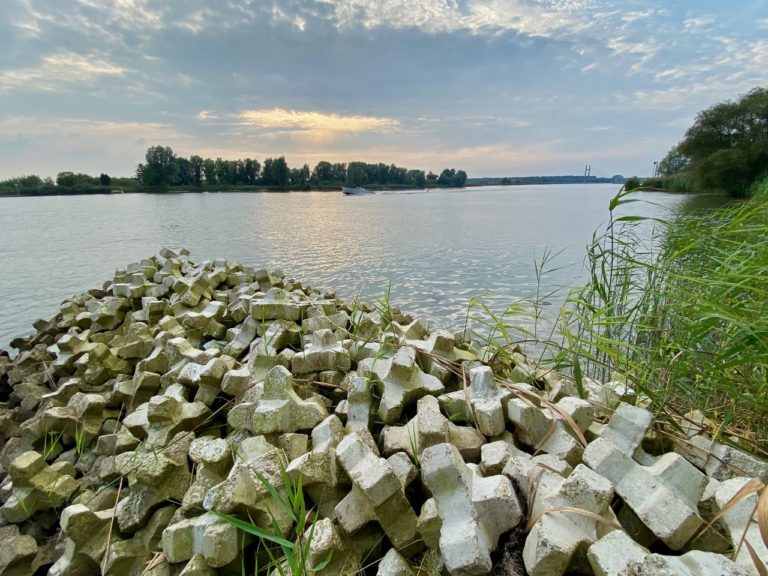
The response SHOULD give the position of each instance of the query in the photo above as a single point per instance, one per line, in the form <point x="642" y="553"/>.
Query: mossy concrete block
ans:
<point x="278" y="304"/>
<point x="484" y="403"/>
<point x="428" y="428"/>
<point x="18" y="552"/>
<point x="325" y="352"/>
<point x="36" y="487"/>
<point x="377" y="486"/>
<point x="217" y="541"/>
<point x="474" y="511"/>
<point x="400" y="381"/>
<point x="279" y="409"/>
<point x="154" y="476"/>
<point x="246" y="489"/>
<point x="321" y="475"/>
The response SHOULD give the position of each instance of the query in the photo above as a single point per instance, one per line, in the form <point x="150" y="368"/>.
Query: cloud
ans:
<point x="58" y="71"/>
<point x="279" y="119"/>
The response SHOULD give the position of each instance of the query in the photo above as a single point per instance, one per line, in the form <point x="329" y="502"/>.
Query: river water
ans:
<point x="438" y="249"/>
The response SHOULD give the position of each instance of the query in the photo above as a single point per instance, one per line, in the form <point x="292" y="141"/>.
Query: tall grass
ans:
<point x="680" y="314"/>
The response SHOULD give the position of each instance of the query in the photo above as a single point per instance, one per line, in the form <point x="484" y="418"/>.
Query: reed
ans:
<point x="681" y="314"/>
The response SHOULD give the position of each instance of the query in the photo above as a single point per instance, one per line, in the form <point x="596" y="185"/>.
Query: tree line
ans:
<point x="163" y="168"/>
<point x="724" y="151"/>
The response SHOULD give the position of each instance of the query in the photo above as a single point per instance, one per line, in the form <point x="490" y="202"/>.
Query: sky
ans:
<point x="494" y="87"/>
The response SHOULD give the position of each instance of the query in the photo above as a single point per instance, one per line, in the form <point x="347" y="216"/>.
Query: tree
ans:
<point x="160" y="168"/>
<point x="674" y="162"/>
<point x="727" y="146"/>
<point x="66" y="179"/>
<point x="209" y="169"/>
<point x="196" y="166"/>
<point x="323" y="172"/>
<point x="275" y="173"/>
<point x="105" y="180"/>
<point x="357" y="174"/>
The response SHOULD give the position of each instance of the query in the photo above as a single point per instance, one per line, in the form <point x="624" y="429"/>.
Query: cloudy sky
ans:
<point x="496" y="87"/>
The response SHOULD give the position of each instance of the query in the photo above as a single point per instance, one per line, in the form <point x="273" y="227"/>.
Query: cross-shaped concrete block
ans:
<point x="400" y="381"/>
<point x="375" y="485"/>
<point x="664" y="494"/>
<point x="474" y="511"/>
<point x="428" y="428"/>
<point x="279" y="409"/>
<point x="484" y="403"/>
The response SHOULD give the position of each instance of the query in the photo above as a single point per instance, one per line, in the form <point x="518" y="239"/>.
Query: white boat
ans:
<point x="356" y="191"/>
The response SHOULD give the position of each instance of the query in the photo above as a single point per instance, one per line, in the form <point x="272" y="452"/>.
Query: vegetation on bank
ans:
<point x="678" y="310"/>
<point x="163" y="171"/>
<point x="724" y="151"/>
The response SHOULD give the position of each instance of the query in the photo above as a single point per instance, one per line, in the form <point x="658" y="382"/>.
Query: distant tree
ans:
<point x="66" y="179"/>
<point x="323" y="172"/>
<point x="251" y="171"/>
<point x="299" y="177"/>
<point x="357" y="174"/>
<point x="275" y="173"/>
<point x="105" y="180"/>
<point x="431" y="178"/>
<point x="674" y="162"/>
<point x="196" y="166"/>
<point x="160" y="168"/>
<point x="209" y="169"/>
<point x="184" y="175"/>
<point x="632" y="183"/>
<point x="460" y="179"/>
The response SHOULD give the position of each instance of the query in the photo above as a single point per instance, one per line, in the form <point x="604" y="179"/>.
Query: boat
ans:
<point x="355" y="191"/>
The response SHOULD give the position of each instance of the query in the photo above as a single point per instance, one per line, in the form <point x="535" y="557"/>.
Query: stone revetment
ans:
<point x="162" y="424"/>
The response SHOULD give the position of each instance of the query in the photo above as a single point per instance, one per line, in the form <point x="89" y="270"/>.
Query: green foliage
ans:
<point x="450" y="177"/>
<point x="674" y="162"/>
<point x="726" y="148"/>
<point x="160" y="168"/>
<point x="632" y="183"/>
<point x="682" y="317"/>
<point x="288" y="552"/>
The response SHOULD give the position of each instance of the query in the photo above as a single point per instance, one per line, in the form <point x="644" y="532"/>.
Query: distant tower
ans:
<point x="587" y="171"/>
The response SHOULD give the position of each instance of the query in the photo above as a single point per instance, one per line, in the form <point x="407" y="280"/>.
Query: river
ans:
<point x="438" y="249"/>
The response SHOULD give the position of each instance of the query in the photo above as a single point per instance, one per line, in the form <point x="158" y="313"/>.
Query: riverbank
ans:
<point x="60" y="191"/>
<point x="211" y="417"/>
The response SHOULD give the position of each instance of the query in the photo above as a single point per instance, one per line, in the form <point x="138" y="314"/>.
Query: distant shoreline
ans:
<point x="270" y="189"/>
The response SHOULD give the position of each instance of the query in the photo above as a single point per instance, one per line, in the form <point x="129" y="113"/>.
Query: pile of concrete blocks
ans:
<point x="187" y="416"/>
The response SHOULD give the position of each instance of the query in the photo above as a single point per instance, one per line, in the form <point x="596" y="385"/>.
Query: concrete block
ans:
<point x="428" y="428"/>
<point x="543" y="429"/>
<point x="474" y="511"/>
<point x="245" y="491"/>
<point x="400" y="381"/>
<point x="740" y="521"/>
<point x="325" y="352"/>
<point x="323" y="479"/>
<point x="487" y="401"/>
<point x="217" y="541"/>
<point x="35" y="487"/>
<point x="393" y="564"/>
<point x="558" y="542"/>
<point x="377" y="487"/>
<point x="154" y="476"/>
<point x="279" y="409"/>
<point x="278" y="304"/>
